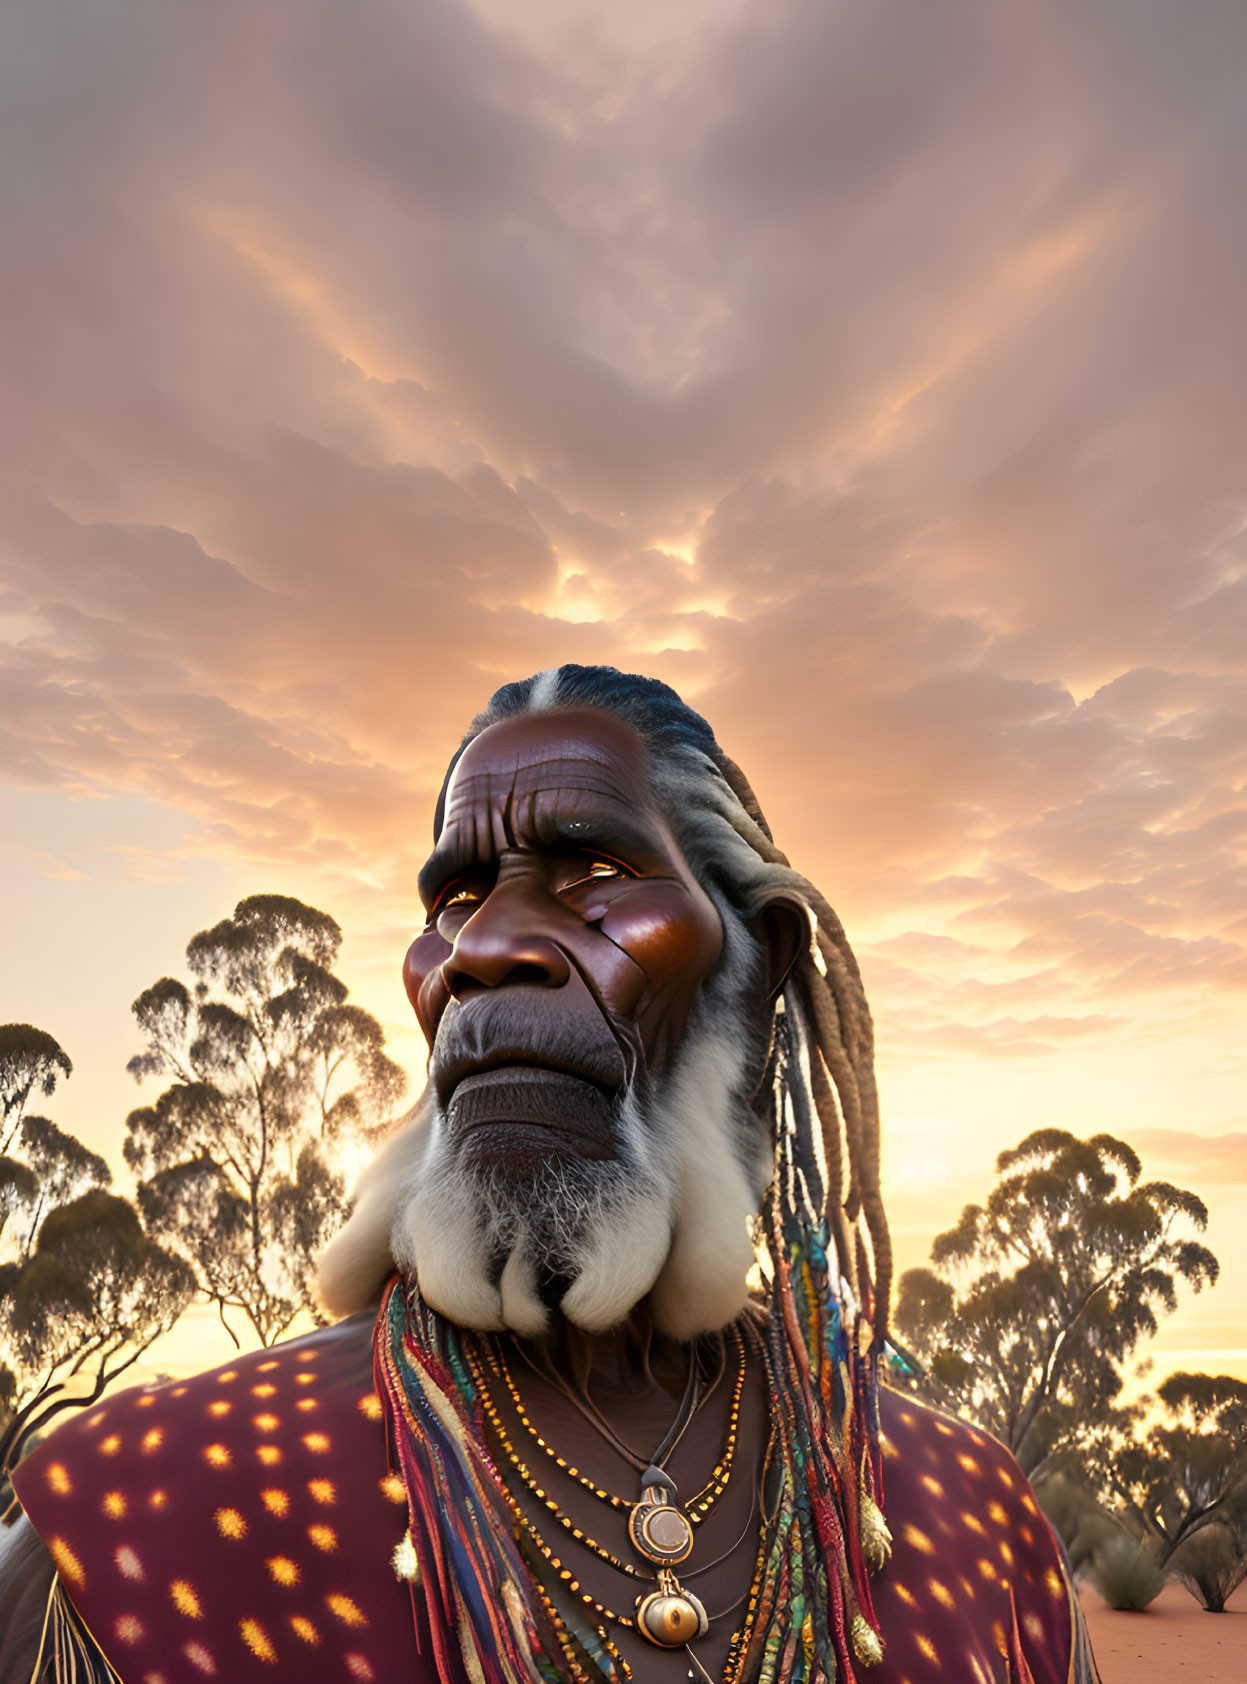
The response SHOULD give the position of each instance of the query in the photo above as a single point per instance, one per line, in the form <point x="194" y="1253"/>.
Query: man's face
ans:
<point x="565" y="943"/>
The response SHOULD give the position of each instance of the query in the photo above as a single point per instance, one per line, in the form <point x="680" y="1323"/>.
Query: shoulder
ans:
<point x="311" y="1397"/>
<point x="976" y="1574"/>
<point x="242" y="1516"/>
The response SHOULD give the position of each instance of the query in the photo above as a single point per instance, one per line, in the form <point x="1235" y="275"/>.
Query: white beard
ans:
<point x="669" y="1217"/>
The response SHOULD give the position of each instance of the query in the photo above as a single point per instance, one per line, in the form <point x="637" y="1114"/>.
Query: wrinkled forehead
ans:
<point x="573" y="775"/>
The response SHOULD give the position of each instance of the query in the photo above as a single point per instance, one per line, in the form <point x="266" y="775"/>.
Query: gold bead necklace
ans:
<point x="543" y="1497"/>
<point x="670" y="1616"/>
<point x="699" y="1506"/>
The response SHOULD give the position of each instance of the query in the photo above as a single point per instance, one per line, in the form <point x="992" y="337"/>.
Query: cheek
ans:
<point x="667" y="931"/>
<point x="422" y="978"/>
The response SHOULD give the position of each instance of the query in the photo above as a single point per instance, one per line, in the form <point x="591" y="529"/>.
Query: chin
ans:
<point x="507" y="1220"/>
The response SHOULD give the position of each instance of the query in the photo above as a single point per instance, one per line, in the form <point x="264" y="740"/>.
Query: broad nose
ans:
<point x="504" y="942"/>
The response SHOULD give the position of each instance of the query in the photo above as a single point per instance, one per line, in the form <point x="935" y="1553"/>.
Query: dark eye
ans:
<point x="594" y="870"/>
<point x="457" y="895"/>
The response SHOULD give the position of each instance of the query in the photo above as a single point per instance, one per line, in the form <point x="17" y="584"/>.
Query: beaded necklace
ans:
<point x="492" y="1617"/>
<point x="697" y="1508"/>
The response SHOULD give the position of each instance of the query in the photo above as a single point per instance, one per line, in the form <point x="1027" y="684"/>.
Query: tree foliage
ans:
<point x="94" y="1294"/>
<point x="1189" y="1472"/>
<point x="31" y="1062"/>
<point x="63" y="1169"/>
<point x="1038" y="1297"/>
<point x="274" y="1073"/>
<point x="83" y="1289"/>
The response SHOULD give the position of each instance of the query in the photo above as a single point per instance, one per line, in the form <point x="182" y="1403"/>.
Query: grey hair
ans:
<point x="727" y="842"/>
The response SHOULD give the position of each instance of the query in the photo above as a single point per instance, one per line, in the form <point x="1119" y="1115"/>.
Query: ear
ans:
<point x="784" y="929"/>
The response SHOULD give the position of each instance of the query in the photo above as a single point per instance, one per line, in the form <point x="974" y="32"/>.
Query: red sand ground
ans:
<point x="1174" y="1638"/>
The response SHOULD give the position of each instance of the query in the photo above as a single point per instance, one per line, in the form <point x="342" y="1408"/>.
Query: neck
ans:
<point x="629" y="1360"/>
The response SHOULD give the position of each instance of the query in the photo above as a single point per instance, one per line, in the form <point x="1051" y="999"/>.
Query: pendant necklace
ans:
<point x="698" y="1506"/>
<point x="670" y="1616"/>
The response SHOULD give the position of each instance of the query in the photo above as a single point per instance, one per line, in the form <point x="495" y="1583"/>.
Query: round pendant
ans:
<point x="661" y="1533"/>
<point x="671" y="1619"/>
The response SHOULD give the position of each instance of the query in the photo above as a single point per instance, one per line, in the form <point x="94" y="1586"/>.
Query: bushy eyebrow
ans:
<point x="611" y="833"/>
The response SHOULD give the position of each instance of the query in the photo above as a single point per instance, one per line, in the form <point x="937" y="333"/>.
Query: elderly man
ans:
<point x="619" y="1413"/>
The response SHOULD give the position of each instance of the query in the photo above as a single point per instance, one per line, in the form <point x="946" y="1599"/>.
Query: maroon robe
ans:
<point x="244" y="1521"/>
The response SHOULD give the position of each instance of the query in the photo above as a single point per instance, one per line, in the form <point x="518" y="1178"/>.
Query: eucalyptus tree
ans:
<point x="92" y="1297"/>
<point x="1189" y="1471"/>
<point x="1039" y="1296"/>
<point x="31" y="1063"/>
<point x="83" y="1289"/>
<point x="273" y="1073"/>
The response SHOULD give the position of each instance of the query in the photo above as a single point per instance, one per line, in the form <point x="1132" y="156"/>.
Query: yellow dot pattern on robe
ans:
<point x="257" y="1640"/>
<point x="290" y="1593"/>
<point x="964" y="1599"/>
<point x="344" y="1609"/>
<point x="175" y="1608"/>
<point x="184" y="1599"/>
<point x="129" y="1564"/>
<point x="67" y="1563"/>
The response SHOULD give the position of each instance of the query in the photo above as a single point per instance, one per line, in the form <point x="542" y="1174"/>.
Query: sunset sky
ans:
<point x="873" y="373"/>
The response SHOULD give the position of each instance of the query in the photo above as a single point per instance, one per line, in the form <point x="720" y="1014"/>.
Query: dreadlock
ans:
<point x="820" y="1240"/>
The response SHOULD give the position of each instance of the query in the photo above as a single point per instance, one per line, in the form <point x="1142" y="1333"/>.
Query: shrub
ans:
<point x="1084" y="1526"/>
<point x="1212" y="1563"/>
<point x="1125" y="1574"/>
